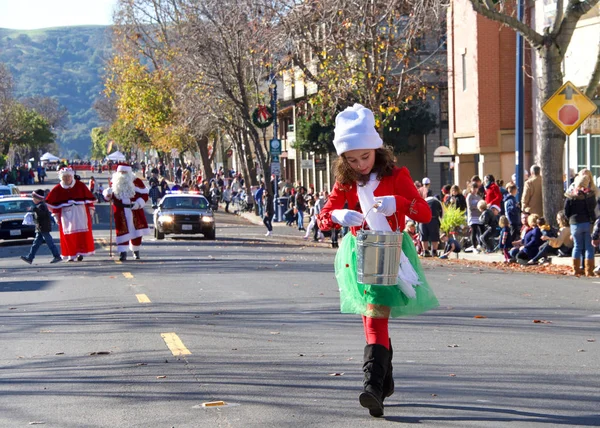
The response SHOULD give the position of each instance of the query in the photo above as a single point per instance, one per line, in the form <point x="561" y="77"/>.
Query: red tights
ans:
<point x="376" y="331"/>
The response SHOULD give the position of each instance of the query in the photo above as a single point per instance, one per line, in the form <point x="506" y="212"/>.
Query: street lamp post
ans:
<point x="273" y="88"/>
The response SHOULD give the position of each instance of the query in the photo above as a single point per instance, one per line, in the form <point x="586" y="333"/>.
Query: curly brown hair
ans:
<point x="383" y="166"/>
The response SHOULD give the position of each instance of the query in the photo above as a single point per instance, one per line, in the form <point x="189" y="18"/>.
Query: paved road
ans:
<point x="258" y="326"/>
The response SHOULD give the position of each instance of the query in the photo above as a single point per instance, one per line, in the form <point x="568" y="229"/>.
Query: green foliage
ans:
<point x="65" y="63"/>
<point x="3" y="160"/>
<point x="453" y="218"/>
<point x="99" y="143"/>
<point x="314" y="136"/>
<point x="414" y="119"/>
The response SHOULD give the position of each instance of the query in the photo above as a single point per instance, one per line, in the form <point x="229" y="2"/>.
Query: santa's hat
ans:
<point x="39" y="193"/>
<point x="123" y="167"/>
<point x="355" y="129"/>
<point x="65" y="170"/>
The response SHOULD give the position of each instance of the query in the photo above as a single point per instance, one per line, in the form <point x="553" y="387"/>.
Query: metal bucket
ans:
<point x="378" y="257"/>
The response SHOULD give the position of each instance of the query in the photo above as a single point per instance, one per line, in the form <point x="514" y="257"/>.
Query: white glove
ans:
<point x="347" y="218"/>
<point x="386" y="205"/>
<point x="107" y="193"/>
<point x="136" y="206"/>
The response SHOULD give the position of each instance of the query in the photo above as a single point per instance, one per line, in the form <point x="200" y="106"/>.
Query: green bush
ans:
<point x="452" y="219"/>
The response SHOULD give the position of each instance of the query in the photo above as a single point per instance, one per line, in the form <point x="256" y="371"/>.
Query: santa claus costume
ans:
<point x="378" y="195"/>
<point x="129" y="195"/>
<point x="72" y="204"/>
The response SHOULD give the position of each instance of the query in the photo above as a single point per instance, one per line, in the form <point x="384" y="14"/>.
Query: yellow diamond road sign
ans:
<point x="568" y="108"/>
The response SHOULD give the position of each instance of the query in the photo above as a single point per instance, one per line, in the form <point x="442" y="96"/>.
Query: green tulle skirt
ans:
<point x="379" y="300"/>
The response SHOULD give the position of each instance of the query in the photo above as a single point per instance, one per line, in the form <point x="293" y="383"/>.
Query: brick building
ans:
<point x="481" y="95"/>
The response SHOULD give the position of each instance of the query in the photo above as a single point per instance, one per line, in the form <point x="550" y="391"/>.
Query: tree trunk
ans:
<point x="207" y="172"/>
<point x="552" y="139"/>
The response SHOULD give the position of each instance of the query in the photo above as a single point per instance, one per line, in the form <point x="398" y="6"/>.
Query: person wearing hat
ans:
<point x="42" y="219"/>
<point x="379" y="195"/>
<point x="129" y="195"/>
<point x="425" y="189"/>
<point x="72" y="204"/>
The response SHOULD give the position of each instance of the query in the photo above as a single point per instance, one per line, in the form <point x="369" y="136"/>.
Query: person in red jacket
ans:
<point x="368" y="181"/>
<point x="129" y="195"/>
<point x="493" y="195"/>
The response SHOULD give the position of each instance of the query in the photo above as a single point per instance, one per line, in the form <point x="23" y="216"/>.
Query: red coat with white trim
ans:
<point x="408" y="201"/>
<point x="130" y="223"/>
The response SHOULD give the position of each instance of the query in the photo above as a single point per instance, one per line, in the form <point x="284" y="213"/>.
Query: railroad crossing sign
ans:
<point x="568" y="108"/>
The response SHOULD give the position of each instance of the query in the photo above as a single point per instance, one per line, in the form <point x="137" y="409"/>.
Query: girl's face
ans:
<point x="361" y="160"/>
<point x="411" y="229"/>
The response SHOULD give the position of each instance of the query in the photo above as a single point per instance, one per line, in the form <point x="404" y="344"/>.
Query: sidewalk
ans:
<point x="281" y="230"/>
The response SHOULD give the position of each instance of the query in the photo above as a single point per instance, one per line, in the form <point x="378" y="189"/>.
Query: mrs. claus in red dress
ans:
<point x="72" y="203"/>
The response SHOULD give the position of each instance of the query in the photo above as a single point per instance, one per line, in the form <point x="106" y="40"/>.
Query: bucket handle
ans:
<point x="375" y="206"/>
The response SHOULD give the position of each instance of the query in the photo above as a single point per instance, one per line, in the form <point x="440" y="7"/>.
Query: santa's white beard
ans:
<point x="122" y="185"/>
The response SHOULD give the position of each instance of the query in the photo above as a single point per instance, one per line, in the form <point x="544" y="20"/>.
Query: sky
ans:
<point x="34" y="14"/>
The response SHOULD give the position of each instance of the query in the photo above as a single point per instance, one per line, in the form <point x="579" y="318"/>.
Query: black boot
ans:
<point x="136" y="255"/>
<point x="388" y="381"/>
<point x="123" y="256"/>
<point x="375" y="366"/>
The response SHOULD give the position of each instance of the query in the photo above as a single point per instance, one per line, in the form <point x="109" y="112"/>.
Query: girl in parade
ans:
<point x="379" y="196"/>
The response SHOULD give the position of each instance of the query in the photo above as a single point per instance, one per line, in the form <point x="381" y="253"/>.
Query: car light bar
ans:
<point x="182" y="192"/>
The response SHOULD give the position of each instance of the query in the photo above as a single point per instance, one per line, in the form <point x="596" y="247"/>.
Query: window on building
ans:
<point x="464" y="71"/>
<point x="443" y="94"/>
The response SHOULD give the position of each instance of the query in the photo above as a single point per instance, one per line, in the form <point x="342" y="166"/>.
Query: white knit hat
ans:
<point x="355" y="129"/>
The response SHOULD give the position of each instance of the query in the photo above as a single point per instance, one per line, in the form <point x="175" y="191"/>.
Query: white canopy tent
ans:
<point x="49" y="157"/>
<point x="116" y="157"/>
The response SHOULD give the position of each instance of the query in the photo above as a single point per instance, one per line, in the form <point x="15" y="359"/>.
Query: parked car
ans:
<point x="184" y="213"/>
<point x="12" y="212"/>
<point x="9" y="189"/>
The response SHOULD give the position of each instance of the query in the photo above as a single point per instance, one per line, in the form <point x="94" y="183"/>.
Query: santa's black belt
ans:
<point x="127" y="205"/>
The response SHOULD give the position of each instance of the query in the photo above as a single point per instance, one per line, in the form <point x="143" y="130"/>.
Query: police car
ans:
<point x="12" y="212"/>
<point x="184" y="213"/>
<point x="9" y="190"/>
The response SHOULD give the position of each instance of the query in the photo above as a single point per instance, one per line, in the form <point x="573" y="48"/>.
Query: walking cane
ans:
<point x="110" y="215"/>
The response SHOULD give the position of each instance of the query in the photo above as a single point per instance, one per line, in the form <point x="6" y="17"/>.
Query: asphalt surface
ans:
<point x="259" y="328"/>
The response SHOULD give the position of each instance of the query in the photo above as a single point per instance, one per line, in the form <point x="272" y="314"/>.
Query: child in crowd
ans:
<point x="312" y="213"/>
<point x="452" y="246"/>
<point x="43" y="225"/>
<point x="411" y="229"/>
<point x="562" y="243"/>
<point x="489" y="221"/>
<point x="505" y="241"/>
<point x="532" y="241"/>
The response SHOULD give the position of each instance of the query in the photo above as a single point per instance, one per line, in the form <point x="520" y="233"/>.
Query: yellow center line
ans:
<point x="142" y="298"/>
<point x="128" y="275"/>
<point x="175" y="344"/>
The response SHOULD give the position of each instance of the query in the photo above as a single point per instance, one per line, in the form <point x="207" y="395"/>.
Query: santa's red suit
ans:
<point x="130" y="219"/>
<point x="72" y="205"/>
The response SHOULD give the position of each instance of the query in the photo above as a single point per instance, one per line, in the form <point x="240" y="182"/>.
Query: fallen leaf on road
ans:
<point x="160" y="377"/>
<point x="454" y="345"/>
<point x="99" y="353"/>
<point x="581" y="350"/>
<point x="542" y="322"/>
<point x="283" y="259"/>
<point x="336" y="374"/>
<point x="141" y="364"/>
<point x="591" y="340"/>
<point x="274" y="332"/>
<point x="452" y="375"/>
<point x="11" y="309"/>
<point x="37" y="423"/>
<point x="480" y="316"/>
<point x="60" y="353"/>
<point x="434" y="395"/>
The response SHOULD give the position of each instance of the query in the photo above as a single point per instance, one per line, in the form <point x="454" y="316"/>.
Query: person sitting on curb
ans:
<point x="532" y="240"/>
<point x="562" y="243"/>
<point x="452" y="246"/>
<point x="411" y="229"/>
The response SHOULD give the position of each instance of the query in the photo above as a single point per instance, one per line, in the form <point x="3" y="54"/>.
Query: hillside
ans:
<point x="66" y="63"/>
